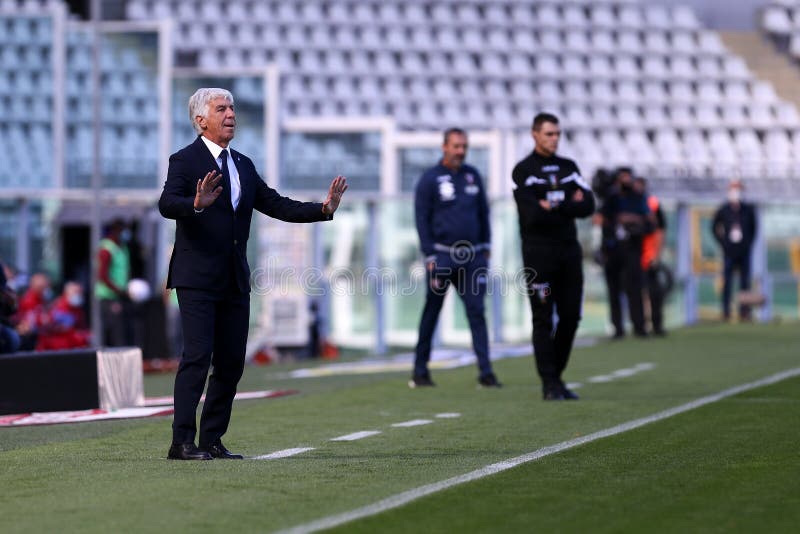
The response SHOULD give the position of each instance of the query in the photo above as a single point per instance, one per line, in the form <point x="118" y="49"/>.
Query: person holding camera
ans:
<point x="627" y="219"/>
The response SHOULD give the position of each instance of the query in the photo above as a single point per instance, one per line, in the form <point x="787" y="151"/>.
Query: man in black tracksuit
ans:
<point x="452" y="216"/>
<point x="550" y="194"/>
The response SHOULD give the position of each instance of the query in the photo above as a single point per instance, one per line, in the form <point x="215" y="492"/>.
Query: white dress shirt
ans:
<point x="236" y="186"/>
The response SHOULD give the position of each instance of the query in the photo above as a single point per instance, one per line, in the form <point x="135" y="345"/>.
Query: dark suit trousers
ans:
<point x="215" y="326"/>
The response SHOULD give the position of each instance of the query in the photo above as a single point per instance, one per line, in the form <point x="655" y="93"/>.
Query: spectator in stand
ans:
<point x="9" y="339"/>
<point x="31" y="316"/>
<point x="66" y="326"/>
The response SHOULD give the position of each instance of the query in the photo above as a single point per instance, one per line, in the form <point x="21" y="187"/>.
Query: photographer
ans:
<point x="626" y="219"/>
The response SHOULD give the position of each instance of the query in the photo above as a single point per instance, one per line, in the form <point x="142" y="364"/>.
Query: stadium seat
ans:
<point x="629" y="42"/>
<point x="775" y="19"/>
<point x="655" y="116"/>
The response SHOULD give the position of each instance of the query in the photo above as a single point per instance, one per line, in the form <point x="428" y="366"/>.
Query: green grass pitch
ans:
<point x="730" y="466"/>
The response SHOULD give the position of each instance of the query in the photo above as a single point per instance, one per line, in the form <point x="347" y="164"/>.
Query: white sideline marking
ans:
<point x="448" y="415"/>
<point x="622" y="373"/>
<point x="574" y="385"/>
<point x="413" y="422"/>
<point x="357" y="435"/>
<point x="283" y="454"/>
<point x="406" y="497"/>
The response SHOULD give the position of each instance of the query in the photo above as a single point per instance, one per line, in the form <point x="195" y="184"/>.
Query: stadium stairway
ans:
<point x="765" y="62"/>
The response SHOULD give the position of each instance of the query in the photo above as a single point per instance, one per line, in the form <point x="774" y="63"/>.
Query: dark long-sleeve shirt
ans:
<point x="555" y="179"/>
<point x="451" y="209"/>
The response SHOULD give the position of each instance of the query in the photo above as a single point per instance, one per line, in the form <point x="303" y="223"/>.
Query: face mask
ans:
<point x="125" y="236"/>
<point x="75" y="300"/>
<point x="47" y="294"/>
<point x="626" y="187"/>
<point x="735" y="195"/>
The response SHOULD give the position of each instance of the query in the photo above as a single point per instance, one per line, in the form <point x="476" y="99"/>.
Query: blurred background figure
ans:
<point x="734" y="226"/>
<point x="66" y="327"/>
<point x="652" y="244"/>
<point x="113" y="275"/>
<point x="32" y="316"/>
<point x="9" y="339"/>
<point x="626" y="220"/>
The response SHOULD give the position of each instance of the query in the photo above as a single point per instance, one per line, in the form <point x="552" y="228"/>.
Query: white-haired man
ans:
<point x="211" y="192"/>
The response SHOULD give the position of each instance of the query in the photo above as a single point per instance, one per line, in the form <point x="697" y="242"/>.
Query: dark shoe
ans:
<point x="568" y="394"/>
<point x="218" y="451"/>
<point x="489" y="381"/>
<point x="421" y="381"/>
<point x="659" y="332"/>
<point x="553" y="394"/>
<point x="642" y="334"/>
<point x="187" y="451"/>
<point x="617" y="336"/>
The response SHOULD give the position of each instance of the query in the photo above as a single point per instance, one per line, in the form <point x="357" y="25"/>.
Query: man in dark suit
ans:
<point x="734" y="227"/>
<point x="211" y="192"/>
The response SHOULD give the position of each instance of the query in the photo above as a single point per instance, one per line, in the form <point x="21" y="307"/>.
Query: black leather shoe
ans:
<point x="218" y="450"/>
<point x="568" y="394"/>
<point x="552" y="393"/>
<point x="187" y="451"/>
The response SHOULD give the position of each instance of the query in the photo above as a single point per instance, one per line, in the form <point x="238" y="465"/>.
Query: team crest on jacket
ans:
<point x="470" y="178"/>
<point x="447" y="191"/>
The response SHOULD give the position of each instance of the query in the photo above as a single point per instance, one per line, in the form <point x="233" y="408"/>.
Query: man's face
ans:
<point x="220" y="124"/>
<point x="546" y="138"/>
<point x="454" y="150"/>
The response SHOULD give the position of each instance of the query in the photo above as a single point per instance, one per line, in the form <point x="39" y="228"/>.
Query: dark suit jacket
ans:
<point x="211" y="247"/>
<point x="724" y="220"/>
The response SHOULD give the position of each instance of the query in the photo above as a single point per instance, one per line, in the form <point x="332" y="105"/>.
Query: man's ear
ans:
<point x="201" y="121"/>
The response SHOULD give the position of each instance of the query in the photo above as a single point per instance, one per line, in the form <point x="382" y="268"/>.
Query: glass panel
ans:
<point x="352" y="302"/>
<point x="414" y="161"/>
<point x="8" y="231"/>
<point x="36" y="232"/>
<point x="129" y="140"/>
<point x="26" y="94"/>
<point x="310" y="160"/>
<point x="401" y="260"/>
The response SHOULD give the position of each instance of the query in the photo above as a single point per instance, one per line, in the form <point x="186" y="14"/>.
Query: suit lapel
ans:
<point x="209" y="163"/>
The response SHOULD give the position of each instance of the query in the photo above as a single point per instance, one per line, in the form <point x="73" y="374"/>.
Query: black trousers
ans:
<point x="624" y="275"/>
<point x="215" y="327"/>
<point x="656" y="295"/>
<point x="554" y="275"/>
<point x="732" y="263"/>
<point x="117" y="328"/>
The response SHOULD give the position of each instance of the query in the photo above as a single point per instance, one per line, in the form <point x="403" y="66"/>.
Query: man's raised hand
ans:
<point x="335" y="192"/>
<point x="208" y="189"/>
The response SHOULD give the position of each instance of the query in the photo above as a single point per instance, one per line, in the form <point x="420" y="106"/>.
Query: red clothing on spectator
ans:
<point x="66" y="328"/>
<point x="31" y="311"/>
